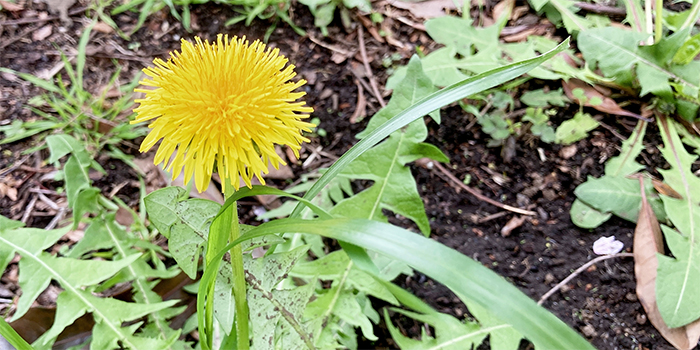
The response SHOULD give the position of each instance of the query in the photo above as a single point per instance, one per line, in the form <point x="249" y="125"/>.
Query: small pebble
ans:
<point x="549" y="194"/>
<point x="588" y="331"/>
<point x="641" y="318"/>
<point x="548" y="278"/>
<point x="631" y="297"/>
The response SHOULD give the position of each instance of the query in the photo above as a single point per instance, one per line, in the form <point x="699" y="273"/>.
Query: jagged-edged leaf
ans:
<point x="109" y="315"/>
<point x="36" y="271"/>
<point x="430" y="103"/>
<point x="585" y="216"/>
<point x="678" y="278"/>
<point x="394" y="187"/>
<point x="450" y="333"/>
<point x="185" y="222"/>
<point x="563" y="11"/>
<point x="459" y="34"/>
<point x="615" y="192"/>
<point x="344" y="304"/>
<point x="277" y="313"/>
<point x="334" y="267"/>
<point x="618" y="55"/>
<point x="464" y="276"/>
<point x="62" y="145"/>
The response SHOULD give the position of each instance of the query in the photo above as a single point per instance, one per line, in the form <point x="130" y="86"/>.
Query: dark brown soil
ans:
<point x="600" y="303"/>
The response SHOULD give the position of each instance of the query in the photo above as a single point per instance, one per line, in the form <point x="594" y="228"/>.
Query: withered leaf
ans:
<point x="647" y="242"/>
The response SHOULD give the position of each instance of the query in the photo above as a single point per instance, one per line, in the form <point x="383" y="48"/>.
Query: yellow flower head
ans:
<point x="228" y="102"/>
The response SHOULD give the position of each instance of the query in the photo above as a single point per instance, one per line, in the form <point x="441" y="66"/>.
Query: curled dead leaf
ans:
<point x="665" y="189"/>
<point x="596" y="99"/>
<point x="648" y="241"/>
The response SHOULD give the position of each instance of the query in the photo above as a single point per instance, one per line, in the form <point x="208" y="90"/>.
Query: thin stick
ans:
<point x="578" y="271"/>
<point x="368" y="69"/>
<point x="480" y="196"/>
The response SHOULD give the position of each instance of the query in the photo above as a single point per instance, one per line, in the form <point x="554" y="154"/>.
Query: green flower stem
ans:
<point x="239" y="284"/>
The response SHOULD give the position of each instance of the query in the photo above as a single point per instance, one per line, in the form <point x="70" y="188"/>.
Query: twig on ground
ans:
<point x="368" y="69"/>
<point x="578" y="271"/>
<point x="54" y="222"/>
<point x="478" y="195"/>
<point x="14" y="166"/>
<point x="28" y="209"/>
<point x="41" y="20"/>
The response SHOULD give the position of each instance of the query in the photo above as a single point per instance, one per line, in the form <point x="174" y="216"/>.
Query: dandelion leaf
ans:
<point x="618" y="55"/>
<point x="184" y="222"/>
<point x="394" y="188"/>
<point x="333" y="267"/>
<point x="450" y="333"/>
<point x="345" y="305"/>
<point x="616" y="193"/>
<point x="679" y="277"/>
<point x="273" y="310"/>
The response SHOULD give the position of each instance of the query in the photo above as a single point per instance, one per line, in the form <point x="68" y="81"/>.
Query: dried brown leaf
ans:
<point x="9" y="6"/>
<point x="665" y="189"/>
<point x="647" y="243"/>
<point x="42" y="33"/>
<point x="608" y="105"/>
<point x="504" y="6"/>
<point x="428" y="9"/>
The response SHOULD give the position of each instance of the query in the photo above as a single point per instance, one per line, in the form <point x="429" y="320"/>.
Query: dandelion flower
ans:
<point x="224" y="104"/>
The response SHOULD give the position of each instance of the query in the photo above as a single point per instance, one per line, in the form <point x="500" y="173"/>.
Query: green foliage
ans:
<point x="615" y="193"/>
<point x="38" y="268"/>
<point x="575" y="129"/>
<point x="466" y="277"/>
<point x="678" y="277"/>
<point x="540" y="98"/>
<point x="394" y="187"/>
<point x="80" y="276"/>
<point x="562" y="12"/>
<point x="540" y="123"/>
<point x="662" y="69"/>
<point x="97" y="121"/>
<point x="324" y="11"/>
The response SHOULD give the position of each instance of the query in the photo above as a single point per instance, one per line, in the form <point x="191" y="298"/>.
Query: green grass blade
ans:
<point x="432" y="102"/>
<point x="12" y="337"/>
<point x="458" y="272"/>
<point x="80" y="59"/>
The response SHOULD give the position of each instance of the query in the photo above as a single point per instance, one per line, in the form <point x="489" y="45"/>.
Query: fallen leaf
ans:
<point x="8" y="191"/>
<point x="596" y="99"/>
<point x="647" y="243"/>
<point x="103" y="27"/>
<point x="42" y="33"/>
<point x="665" y="189"/>
<point x="428" y="9"/>
<point x="9" y="6"/>
<point x="504" y="6"/>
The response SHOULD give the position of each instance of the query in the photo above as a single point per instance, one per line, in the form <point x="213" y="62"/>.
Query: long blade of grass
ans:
<point x="80" y="59"/>
<point x="12" y="337"/>
<point x="432" y="102"/>
<point x="458" y="272"/>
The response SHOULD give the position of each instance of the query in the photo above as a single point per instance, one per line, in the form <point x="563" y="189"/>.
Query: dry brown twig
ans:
<point x="579" y="270"/>
<point x="368" y="69"/>
<point x="472" y="191"/>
